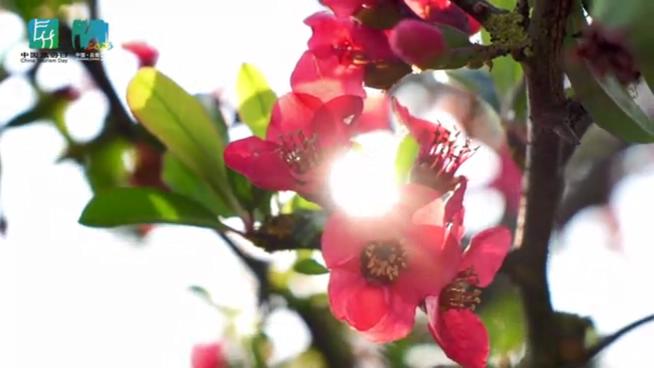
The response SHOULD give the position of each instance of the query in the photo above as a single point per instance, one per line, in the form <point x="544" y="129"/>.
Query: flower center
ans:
<point x="349" y="54"/>
<point x="382" y="261"/>
<point x="438" y="163"/>
<point x="300" y="153"/>
<point x="462" y="293"/>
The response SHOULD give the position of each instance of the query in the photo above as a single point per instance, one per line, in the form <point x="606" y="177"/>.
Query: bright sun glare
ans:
<point x="363" y="181"/>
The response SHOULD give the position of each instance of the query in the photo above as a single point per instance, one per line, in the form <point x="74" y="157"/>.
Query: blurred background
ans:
<point x="72" y="296"/>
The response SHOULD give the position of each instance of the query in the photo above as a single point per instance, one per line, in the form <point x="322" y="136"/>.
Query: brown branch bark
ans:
<point x="544" y="180"/>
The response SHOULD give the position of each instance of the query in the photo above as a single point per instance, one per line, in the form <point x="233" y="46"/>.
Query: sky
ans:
<point x="76" y="297"/>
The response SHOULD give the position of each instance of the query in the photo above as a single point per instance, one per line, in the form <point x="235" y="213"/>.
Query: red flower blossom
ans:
<point x="146" y="54"/>
<point x="303" y="135"/>
<point x="326" y="77"/>
<point x="382" y="268"/>
<point x="375" y="114"/>
<point x="441" y="152"/>
<point x="444" y="12"/>
<point x="208" y="356"/>
<point x="452" y="323"/>
<point x="352" y="43"/>
<point x="416" y="42"/>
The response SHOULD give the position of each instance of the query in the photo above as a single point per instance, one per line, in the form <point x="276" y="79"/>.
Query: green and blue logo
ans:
<point x="43" y="33"/>
<point x="91" y="35"/>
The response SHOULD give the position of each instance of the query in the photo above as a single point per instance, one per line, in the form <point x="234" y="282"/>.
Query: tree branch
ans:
<point x="610" y="339"/>
<point x="544" y="179"/>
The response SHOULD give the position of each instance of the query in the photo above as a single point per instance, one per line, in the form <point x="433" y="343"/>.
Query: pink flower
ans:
<point x="303" y="136"/>
<point x="383" y="268"/>
<point x="208" y="356"/>
<point x="375" y="114"/>
<point x="452" y="323"/>
<point x="352" y="43"/>
<point x="444" y="12"/>
<point x="146" y="54"/>
<point x="326" y="77"/>
<point x="417" y="42"/>
<point x="441" y="152"/>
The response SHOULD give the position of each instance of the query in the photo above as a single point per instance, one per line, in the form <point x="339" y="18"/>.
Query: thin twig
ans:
<point x="610" y="339"/>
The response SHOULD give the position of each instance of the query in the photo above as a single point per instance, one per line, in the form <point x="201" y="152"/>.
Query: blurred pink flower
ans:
<point x="382" y="268"/>
<point x="441" y="152"/>
<point x="417" y="42"/>
<point x="444" y="12"/>
<point x="146" y="54"/>
<point x="326" y="78"/>
<point x="452" y="323"/>
<point x="352" y="43"/>
<point x="303" y="136"/>
<point x="208" y="356"/>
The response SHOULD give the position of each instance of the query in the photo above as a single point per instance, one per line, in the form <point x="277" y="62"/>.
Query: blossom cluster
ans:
<point x="382" y="268"/>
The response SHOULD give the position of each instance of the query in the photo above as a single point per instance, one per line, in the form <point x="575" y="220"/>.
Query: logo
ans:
<point x="88" y="38"/>
<point x="91" y="35"/>
<point x="43" y="33"/>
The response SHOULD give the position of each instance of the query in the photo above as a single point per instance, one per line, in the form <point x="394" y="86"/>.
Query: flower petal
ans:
<point x="208" y="356"/>
<point x="260" y="162"/>
<point x="292" y="113"/>
<point x="423" y="131"/>
<point x="334" y="121"/>
<point x="342" y="283"/>
<point x="375" y="115"/>
<point x="454" y="207"/>
<point x="367" y="306"/>
<point x="416" y="196"/>
<point x="486" y="253"/>
<point x="344" y="238"/>
<point x="146" y="54"/>
<point x="397" y="324"/>
<point x="326" y="77"/>
<point x="444" y="12"/>
<point x="431" y="265"/>
<point x="460" y="333"/>
<point x="328" y="32"/>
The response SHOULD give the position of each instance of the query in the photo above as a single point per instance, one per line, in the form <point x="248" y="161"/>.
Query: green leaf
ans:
<point x="309" y="266"/>
<point x="504" y="319"/>
<point x="105" y="165"/>
<point x="201" y="293"/>
<point x="299" y="203"/>
<point x="504" y="4"/>
<point x="406" y="155"/>
<point x="131" y="206"/>
<point x="632" y="21"/>
<point x="248" y="195"/>
<point x="506" y="74"/>
<point x="606" y="100"/>
<point x="212" y="104"/>
<point x="180" y="179"/>
<point x="180" y="122"/>
<point x="255" y="99"/>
